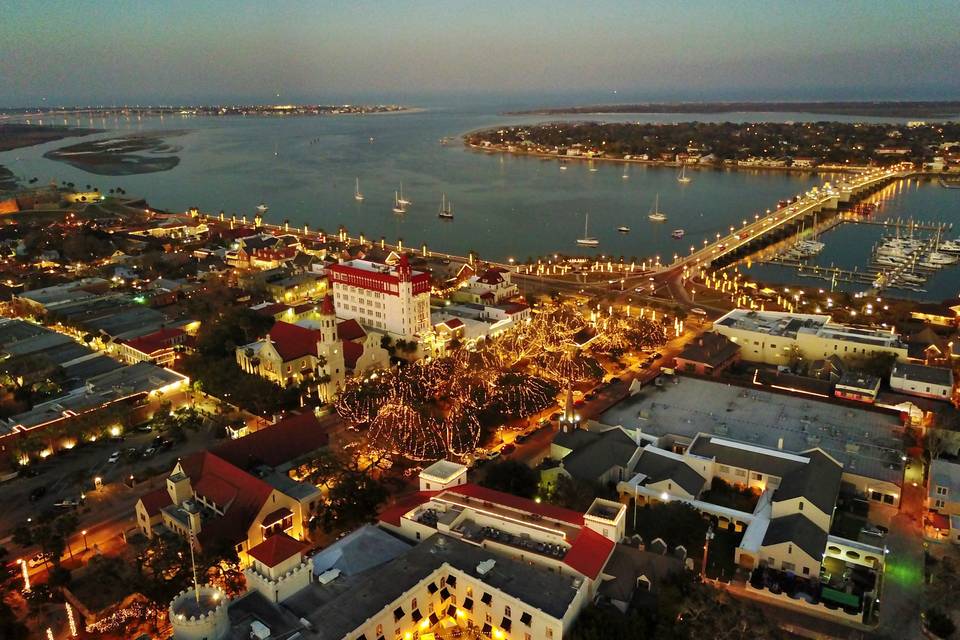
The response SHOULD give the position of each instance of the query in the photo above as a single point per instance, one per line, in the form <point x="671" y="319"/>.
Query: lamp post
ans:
<point x="707" y="537"/>
<point x="84" y="534"/>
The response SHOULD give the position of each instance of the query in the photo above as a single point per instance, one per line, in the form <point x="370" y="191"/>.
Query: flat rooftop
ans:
<point x="780" y="323"/>
<point x="864" y="442"/>
<point x="341" y="606"/>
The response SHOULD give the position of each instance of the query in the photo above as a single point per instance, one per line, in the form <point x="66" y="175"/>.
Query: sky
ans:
<point x="82" y="52"/>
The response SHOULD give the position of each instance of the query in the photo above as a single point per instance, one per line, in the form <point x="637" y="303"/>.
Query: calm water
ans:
<point x="505" y="206"/>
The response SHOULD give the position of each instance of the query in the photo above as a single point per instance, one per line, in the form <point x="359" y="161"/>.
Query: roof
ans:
<point x="156" y="341"/>
<point x="352" y="352"/>
<point x="575" y="438"/>
<point x="276" y="549"/>
<point x="859" y="380"/>
<point x="519" y="504"/>
<point x="284" y="441"/>
<point x="393" y="513"/>
<point x="592" y="460"/>
<point x="589" y="553"/>
<point x="659" y="465"/>
<point x="944" y="473"/>
<point x="818" y="481"/>
<point x="799" y="530"/>
<point x="711" y="349"/>
<point x="156" y="500"/>
<point x="360" y="550"/>
<point x="491" y="276"/>
<point x="339" y="608"/>
<point x="350" y="330"/>
<point x="326" y="307"/>
<point x="443" y="470"/>
<point x="272" y="310"/>
<point x="931" y="375"/>
<point x="627" y="564"/>
<point x="746" y="456"/>
<point x="293" y="341"/>
<point x="214" y="477"/>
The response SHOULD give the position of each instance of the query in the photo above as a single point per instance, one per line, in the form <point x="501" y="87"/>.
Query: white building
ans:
<point x="921" y="380"/>
<point x="393" y="299"/>
<point x="774" y="337"/>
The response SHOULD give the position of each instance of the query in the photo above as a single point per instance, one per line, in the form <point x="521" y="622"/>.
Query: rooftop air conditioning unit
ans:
<point x="486" y="566"/>
<point x="259" y="631"/>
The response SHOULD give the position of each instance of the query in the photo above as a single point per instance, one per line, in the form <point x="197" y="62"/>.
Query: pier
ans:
<point x="781" y="221"/>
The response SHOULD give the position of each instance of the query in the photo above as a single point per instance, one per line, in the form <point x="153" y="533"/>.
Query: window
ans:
<point x="806" y="571"/>
<point x="488" y="619"/>
<point x="888" y="499"/>
<point x="740" y="472"/>
<point x="526" y="618"/>
<point x="800" y="506"/>
<point x="941" y="491"/>
<point x="486" y="598"/>
<point x="506" y="612"/>
<point x="938" y="504"/>
<point x="789" y="566"/>
<point x="724" y="469"/>
<point x="549" y="632"/>
<point x="413" y="603"/>
<point x="379" y="629"/>
<point x="789" y="548"/>
<point x="758" y="476"/>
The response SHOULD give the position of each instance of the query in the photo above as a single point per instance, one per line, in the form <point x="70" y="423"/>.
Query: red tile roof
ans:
<point x="156" y="341"/>
<point x="392" y="514"/>
<point x="210" y="473"/>
<point x="276" y="549"/>
<point x="293" y="341"/>
<point x="156" y="500"/>
<point x="452" y="323"/>
<point x="520" y="504"/>
<point x="282" y="442"/>
<point x="326" y="307"/>
<point x="351" y="353"/>
<point x="350" y="330"/>
<point x="589" y="553"/>
<point x="272" y="310"/>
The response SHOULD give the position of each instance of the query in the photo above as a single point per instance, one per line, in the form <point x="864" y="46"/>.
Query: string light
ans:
<point x="70" y="620"/>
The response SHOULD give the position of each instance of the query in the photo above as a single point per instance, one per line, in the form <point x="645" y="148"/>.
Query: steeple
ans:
<point x="569" y="418"/>
<point x="404" y="272"/>
<point x="328" y="321"/>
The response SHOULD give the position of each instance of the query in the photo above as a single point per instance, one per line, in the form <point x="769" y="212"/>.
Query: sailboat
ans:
<point x="398" y="206"/>
<point x="262" y="207"/>
<point x="356" y="192"/>
<point x="683" y="178"/>
<point x="587" y="240"/>
<point x="401" y="199"/>
<point x="446" y="208"/>
<point x="623" y="229"/>
<point x="655" y="214"/>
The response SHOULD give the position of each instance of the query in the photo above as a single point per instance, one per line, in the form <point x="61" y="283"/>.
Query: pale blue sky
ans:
<point x="83" y="51"/>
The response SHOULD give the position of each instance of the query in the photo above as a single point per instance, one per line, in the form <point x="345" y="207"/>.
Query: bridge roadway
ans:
<point x="814" y="201"/>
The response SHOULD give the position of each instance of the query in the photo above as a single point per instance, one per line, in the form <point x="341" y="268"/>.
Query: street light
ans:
<point x="708" y="536"/>
<point x="84" y="534"/>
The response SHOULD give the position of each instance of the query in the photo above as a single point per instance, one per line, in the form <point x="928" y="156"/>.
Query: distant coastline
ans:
<point x="212" y="110"/>
<point x="16" y="135"/>
<point x="942" y="109"/>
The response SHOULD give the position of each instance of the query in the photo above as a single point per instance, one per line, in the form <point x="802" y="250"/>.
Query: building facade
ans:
<point x="392" y="299"/>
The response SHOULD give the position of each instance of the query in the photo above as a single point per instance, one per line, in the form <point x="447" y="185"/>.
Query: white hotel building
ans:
<point x="395" y="300"/>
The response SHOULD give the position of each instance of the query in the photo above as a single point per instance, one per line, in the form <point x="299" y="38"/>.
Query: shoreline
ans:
<point x="664" y="163"/>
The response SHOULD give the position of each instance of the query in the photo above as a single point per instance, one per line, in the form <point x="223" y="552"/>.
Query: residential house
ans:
<point x="708" y="355"/>
<point x="921" y="380"/>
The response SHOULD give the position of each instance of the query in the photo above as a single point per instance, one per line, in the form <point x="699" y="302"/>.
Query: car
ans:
<point x="555" y="415"/>
<point x="149" y="451"/>
<point x="508" y="449"/>
<point x="657" y="355"/>
<point x="67" y="503"/>
<point x="37" y="493"/>
<point x="157" y="441"/>
<point x="615" y="380"/>
<point x="145" y="428"/>
<point x="645" y="364"/>
<point x="493" y="455"/>
<point x="39" y="559"/>
<point x="523" y="437"/>
<point x="166" y="444"/>
<point x="591" y="395"/>
<point x="872" y="530"/>
<point x="579" y="403"/>
<point x="113" y="457"/>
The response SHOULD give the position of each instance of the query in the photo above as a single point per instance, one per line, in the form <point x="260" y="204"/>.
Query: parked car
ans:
<point x="657" y="355"/>
<point x="493" y="455"/>
<point x="67" y="503"/>
<point x="523" y="437"/>
<point x="508" y="449"/>
<point x="873" y="530"/>
<point x="145" y="428"/>
<point x="149" y="452"/>
<point x="39" y="559"/>
<point x="37" y="493"/>
<point x="114" y="457"/>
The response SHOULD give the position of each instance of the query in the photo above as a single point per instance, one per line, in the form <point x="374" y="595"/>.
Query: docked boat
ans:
<point x="911" y="278"/>
<point x="563" y="166"/>
<point x="942" y="259"/>
<point x="446" y="208"/>
<point x="623" y="229"/>
<point x="587" y="240"/>
<point x="677" y="234"/>
<point x="655" y="214"/>
<point x="356" y="192"/>
<point x="950" y="246"/>
<point x="683" y="178"/>
<point x="398" y="206"/>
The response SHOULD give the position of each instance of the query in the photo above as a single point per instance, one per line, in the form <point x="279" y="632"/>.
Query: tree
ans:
<point x="939" y="623"/>
<point x="572" y="493"/>
<point x="351" y="501"/>
<point x="512" y="477"/>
